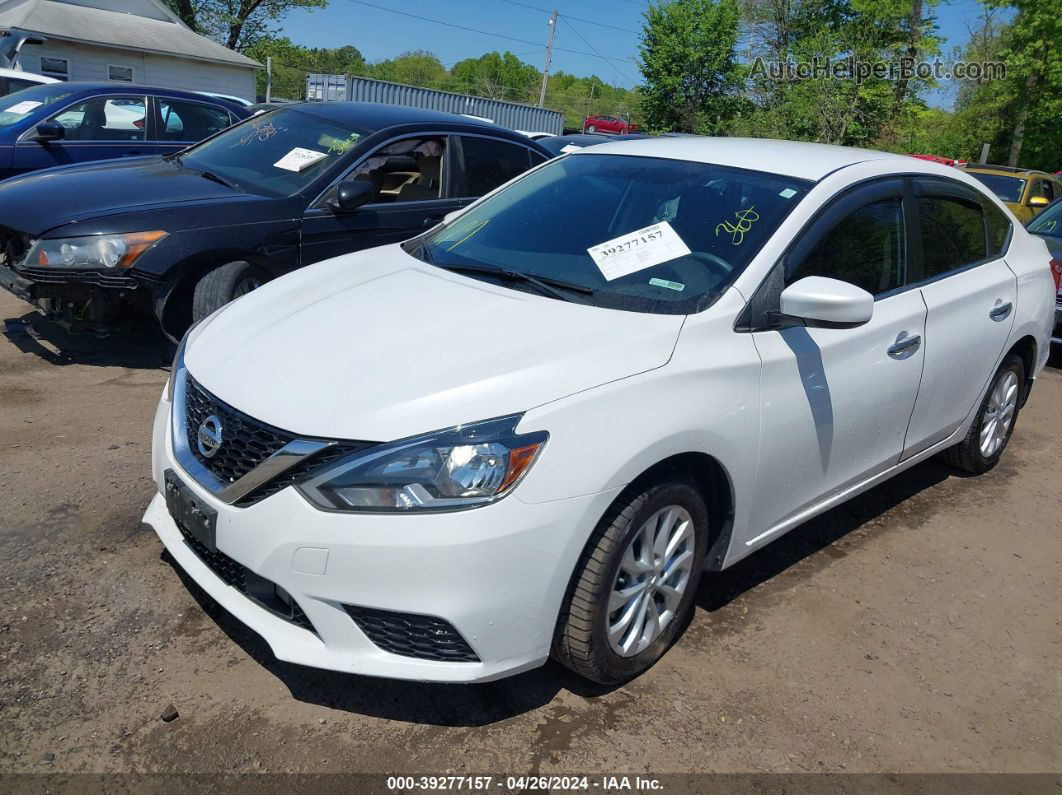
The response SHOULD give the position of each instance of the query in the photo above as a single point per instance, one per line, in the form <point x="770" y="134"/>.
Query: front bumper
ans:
<point x="497" y="574"/>
<point x="16" y="285"/>
<point x="37" y="285"/>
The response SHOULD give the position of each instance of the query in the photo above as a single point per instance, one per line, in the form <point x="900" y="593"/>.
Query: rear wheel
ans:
<point x="225" y="284"/>
<point x="633" y="591"/>
<point x="990" y="432"/>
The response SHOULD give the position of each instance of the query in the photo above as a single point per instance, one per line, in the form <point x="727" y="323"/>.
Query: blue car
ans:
<point x="62" y="123"/>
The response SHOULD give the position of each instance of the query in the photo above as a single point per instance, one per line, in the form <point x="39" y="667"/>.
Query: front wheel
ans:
<point x="990" y="432"/>
<point x="225" y="284"/>
<point x="634" y="588"/>
<point x="591" y="129"/>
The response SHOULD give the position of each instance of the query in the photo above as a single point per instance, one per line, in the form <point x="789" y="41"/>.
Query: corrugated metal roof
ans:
<point x="55" y="19"/>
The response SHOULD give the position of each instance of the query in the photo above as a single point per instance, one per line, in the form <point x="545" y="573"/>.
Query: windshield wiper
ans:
<point x="220" y="180"/>
<point x="545" y="284"/>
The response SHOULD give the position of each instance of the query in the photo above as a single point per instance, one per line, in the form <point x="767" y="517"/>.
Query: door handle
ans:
<point x="904" y="346"/>
<point x="1001" y="312"/>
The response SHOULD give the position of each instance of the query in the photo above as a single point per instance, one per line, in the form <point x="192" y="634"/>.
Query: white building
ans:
<point x="133" y="41"/>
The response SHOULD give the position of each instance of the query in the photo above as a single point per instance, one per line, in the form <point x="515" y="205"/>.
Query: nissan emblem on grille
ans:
<point x="209" y="437"/>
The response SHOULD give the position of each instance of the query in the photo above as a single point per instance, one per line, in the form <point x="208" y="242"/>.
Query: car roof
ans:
<point x="788" y="158"/>
<point x="377" y="116"/>
<point x="31" y="76"/>
<point x="88" y="88"/>
<point x="1005" y="171"/>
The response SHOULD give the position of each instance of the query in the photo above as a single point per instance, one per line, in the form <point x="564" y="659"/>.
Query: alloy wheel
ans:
<point x="999" y="414"/>
<point x="652" y="578"/>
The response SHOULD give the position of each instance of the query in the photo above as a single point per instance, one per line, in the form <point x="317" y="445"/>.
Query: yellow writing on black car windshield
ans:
<point x="745" y="219"/>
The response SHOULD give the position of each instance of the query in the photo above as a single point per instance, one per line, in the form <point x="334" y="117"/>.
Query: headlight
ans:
<point x="92" y="252"/>
<point x="461" y="467"/>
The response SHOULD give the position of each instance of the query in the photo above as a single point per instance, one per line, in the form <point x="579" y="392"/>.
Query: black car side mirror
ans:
<point x="351" y="195"/>
<point x="49" y="131"/>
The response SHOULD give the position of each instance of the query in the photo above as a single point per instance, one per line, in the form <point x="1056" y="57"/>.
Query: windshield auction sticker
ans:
<point x="637" y="251"/>
<point x="298" y="159"/>
<point x="24" y="107"/>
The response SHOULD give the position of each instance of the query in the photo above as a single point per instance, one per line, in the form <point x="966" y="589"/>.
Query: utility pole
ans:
<point x="549" y="57"/>
<point x="269" y="78"/>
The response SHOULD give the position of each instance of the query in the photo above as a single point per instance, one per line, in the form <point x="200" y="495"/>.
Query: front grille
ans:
<point x="411" y="635"/>
<point x="261" y="590"/>
<point x="55" y="276"/>
<point x="300" y="471"/>
<point x="245" y="442"/>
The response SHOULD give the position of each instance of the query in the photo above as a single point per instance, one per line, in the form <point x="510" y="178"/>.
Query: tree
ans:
<point x="495" y="76"/>
<point x="237" y="23"/>
<point x="292" y="62"/>
<point x="690" y="67"/>
<point x="416" y="68"/>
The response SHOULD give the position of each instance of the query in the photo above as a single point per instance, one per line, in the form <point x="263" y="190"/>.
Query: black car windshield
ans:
<point x="643" y="234"/>
<point x="1049" y="222"/>
<point x="276" y="153"/>
<point x="1008" y="189"/>
<point x="30" y="101"/>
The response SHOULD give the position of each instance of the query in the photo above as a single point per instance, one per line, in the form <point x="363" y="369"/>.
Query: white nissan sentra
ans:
<point x="529" y="430"/>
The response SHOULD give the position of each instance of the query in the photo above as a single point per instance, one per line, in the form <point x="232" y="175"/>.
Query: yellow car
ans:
<point x="1024" y="191"/>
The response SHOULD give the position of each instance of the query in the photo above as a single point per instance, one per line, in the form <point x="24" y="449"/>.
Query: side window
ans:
<point x="490" y="163"/>
<point x="953" y="234"/>
<point x="998" y="229"/>
<point x="866" y="248"/>
<point x="189" y="121"/>
<point x="403" y="171"/>
<point x="14" y="84"/>
<point x="537" y="158"/>
<point x="104" y="119"/>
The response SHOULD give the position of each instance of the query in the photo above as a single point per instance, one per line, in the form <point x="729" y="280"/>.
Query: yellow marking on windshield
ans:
<point x="475" y="228"/>
<point x="744" y="224"/>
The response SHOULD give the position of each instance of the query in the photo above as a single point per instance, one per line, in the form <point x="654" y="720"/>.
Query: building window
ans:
<point x="123" y="74"/>
<point x="59" y="68"/>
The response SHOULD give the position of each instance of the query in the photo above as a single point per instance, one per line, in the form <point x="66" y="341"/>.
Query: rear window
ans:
<point x="953" y="234"/>
<point x="1008" y="189"/>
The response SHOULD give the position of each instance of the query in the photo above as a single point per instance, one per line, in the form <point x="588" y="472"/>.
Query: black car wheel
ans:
<point x="225" y="284"/>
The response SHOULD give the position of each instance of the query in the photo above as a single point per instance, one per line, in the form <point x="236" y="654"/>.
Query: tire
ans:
<point x="581" y="641"/>
<point x="591" y="129"/>
<point x="974" y="454"/>
<point x="225" y="284"/>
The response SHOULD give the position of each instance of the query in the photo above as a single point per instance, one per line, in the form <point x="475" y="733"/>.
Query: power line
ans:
<point x="569" y="16"/>
<point x="482" y="32"/>
<point x="592" y="47"/>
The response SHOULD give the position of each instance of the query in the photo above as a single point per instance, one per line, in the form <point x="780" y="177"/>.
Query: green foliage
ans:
<point x="238" y="24"/>
<point x="418" y="68"/>
<point x="496" y="76"/>
<point x="689" y="62"/>
<point x="291" y="62"/>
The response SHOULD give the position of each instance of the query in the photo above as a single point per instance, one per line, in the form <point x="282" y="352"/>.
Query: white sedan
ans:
<point x="529" y="430"/>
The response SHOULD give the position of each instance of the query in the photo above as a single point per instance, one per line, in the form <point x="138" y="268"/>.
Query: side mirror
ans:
<point x="823" y="301"/>
<point x="49" y="131"/>
<point x="351" y="195"/>
<point x="1035" y="201"/>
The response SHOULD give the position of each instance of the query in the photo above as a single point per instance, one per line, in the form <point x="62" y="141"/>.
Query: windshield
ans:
<point x="1008" y="189"/>
<point x="1049" y="222"/>
<point x="22" y="104"/>
<point x="276" y="153"/>
<point x="643" y="234"/>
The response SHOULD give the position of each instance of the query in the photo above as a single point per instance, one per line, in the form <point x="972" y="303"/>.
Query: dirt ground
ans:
<point x="917" y="628"/>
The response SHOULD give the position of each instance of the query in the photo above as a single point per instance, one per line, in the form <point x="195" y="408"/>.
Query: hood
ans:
<point x="377" y="346"/>
<point x="43" y="200"/>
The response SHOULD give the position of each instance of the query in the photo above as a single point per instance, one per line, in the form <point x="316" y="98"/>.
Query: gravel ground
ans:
<point x="917" y="628"/>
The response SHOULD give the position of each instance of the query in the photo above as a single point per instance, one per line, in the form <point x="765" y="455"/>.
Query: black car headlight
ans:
<point x="453" y="469"/>
<point x="92" y="252"/>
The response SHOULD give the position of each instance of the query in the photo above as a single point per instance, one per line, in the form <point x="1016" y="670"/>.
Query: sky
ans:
<point x="381" y="34"/>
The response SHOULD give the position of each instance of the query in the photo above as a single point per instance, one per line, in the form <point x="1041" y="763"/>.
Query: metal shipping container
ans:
<point x="361" y="89"/>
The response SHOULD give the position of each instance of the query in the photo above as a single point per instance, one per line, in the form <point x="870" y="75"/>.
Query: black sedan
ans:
<point x="562" y="144"/>
<point x="182" y="234"/>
